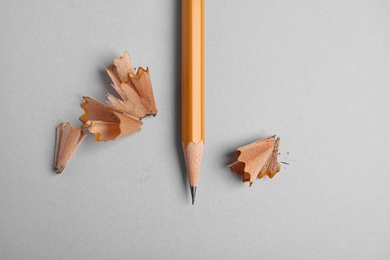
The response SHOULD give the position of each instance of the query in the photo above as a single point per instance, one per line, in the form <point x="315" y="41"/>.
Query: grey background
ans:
<point x="316" y="73"/>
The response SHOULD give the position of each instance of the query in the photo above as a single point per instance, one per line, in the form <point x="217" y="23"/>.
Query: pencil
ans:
<point x="193" y="88"/>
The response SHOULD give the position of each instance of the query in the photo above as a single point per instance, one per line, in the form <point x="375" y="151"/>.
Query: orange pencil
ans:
<point x="193" y="88"/>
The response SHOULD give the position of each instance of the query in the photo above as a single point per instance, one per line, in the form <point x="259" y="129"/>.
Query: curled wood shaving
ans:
<point x="135" y="88"/>
<point x="119" y="117"/>
<point x="259" y="158"/>
<point x="68" y="141"/>
<point x="107" y="123"/>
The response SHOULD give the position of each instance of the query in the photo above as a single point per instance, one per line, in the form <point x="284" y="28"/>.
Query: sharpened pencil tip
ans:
<point x="193" y="193"/>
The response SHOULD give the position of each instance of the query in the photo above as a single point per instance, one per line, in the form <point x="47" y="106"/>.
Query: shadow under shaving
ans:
<point x="230" y="158"/>
<point x="53" y="171"/>
<point x="176" y="50"/>
<point x="106" y="82"/>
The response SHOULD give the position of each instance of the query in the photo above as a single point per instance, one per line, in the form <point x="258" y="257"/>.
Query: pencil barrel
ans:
<point x="192" y="71"/>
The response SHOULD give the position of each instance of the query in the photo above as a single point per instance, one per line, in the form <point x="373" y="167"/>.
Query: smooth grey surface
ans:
<point x="316" y="73"/>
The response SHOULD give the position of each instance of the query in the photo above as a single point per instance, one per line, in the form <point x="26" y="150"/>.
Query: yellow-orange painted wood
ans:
<point x="192" y="71"/>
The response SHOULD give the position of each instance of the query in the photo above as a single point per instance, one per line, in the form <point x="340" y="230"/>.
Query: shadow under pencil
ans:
<point x="177" y="96"/>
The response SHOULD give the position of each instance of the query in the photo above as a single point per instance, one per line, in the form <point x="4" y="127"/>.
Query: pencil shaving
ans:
<point x="120" y="70"/>
<point x="118" y="118"/>
<point x="121" y="116"/>
<point x="135" y="88"/>
<point x="257" y="159"/>
<point x="68" y="141"/>
<point x="106" y="123"/>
